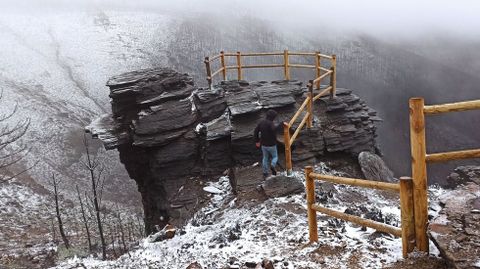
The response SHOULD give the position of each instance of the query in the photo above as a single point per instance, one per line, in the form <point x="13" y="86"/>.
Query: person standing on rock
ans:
<point x="266" y="138"/>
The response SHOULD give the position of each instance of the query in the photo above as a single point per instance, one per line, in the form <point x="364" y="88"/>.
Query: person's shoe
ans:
<point x="265" y="176"/>
<point x="274" y="172"/>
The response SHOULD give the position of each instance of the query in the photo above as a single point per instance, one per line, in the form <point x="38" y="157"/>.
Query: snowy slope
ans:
<point x="55" y="66"/>
<point x="229" y="233"/>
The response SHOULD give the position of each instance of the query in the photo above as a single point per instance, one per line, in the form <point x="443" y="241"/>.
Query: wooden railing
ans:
<point x="405" y="188"/>
<point x="420" y="158"/>
<point x="307" y="118"/>
<point x="321" y="73"/>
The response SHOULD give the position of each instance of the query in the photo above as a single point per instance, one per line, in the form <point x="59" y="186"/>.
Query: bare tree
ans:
<point x="120" y="227"/>
<point x="54" y="235"/>
<point x="95" y="169"/>
<point x="84" y="219"/>
<point x="12" y="150"/>
<point x="55" y="183"/>
<point x="112" y="235"/>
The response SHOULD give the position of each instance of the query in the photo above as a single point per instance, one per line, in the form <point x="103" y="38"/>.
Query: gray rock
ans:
<point x="374" y="168"/>
<point x="273" y="95"/>
<point x="108" y="131"/>
<point x="194" y="265"/>
<point x="463" y="175"/>
<point x="171" y="115"/>
<point x="455" y="229"/>
<point x="277" y="186"/>
<point x="210" y="104"/>
<point x="219" y="127"/>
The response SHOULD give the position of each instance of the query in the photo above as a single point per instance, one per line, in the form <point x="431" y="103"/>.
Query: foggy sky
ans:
<point x="406" y="18"/>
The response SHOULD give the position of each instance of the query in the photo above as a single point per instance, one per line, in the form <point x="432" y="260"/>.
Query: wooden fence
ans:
<point x="405" y="188"/>
<point x="413" y="192"/>
<point x="420" y="158"/>
<point x="321" y="72"/>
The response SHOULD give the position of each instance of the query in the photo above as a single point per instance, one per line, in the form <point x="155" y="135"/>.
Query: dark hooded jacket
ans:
<point x="265" y="132"/>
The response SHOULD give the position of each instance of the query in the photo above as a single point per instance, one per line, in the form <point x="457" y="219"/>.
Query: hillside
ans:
<point x="54" y="65"/>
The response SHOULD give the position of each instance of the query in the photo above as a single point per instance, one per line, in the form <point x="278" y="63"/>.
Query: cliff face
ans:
<point x="168" y="132"/>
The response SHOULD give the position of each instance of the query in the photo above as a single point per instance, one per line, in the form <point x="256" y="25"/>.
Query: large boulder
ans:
<point x="374" y="168"/>
<point x="281" y="185"/>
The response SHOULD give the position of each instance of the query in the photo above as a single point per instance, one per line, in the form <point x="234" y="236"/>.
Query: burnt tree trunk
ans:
<point x="57" y="211"/>
<point x="92" y="165"/>
<point x="84" y="218"/>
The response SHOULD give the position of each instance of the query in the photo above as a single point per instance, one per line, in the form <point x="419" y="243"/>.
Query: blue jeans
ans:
<point x="269" y="152"/>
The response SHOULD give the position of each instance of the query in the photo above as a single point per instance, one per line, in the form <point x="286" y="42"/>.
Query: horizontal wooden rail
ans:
<point x="215" y="57"/>
<point x="299" y="111"/>
<point x="325" y="56"/>
<point x="453" y="155"/>
<point x="360" y="221"/>
<point x="262" y="54"/>
<point x="452" y="107"/>
<point x="300" y="126"/>
<point x="216" y="72"/>
<point x="358" y="182"/>
<point x="231" y="67"/>
<point x="263" y="66"/>
<point x="302" y="53"/>
<point x="324" y="69"/>
<point x="322" y="76"/>
<point x="302" y="66"/>
<point x="322" y="93"/>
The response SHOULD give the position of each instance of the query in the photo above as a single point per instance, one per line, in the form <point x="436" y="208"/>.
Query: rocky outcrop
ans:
<point x="456" y="229"/>
<point x="168" y="131"/>
<point x="463" y="175"/>
<point x="374" y="168"/>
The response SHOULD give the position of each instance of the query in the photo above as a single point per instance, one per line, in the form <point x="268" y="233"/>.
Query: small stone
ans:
<point x="267" y="264"/>
<point x="194" y="265"/>
<point x="250" y="264"/>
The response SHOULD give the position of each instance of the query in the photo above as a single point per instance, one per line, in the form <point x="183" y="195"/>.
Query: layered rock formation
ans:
<point x="168" y="131"/>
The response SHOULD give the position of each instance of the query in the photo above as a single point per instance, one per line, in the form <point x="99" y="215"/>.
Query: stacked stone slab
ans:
<point x="167" y="130"/>
<point x="350" y="124"/>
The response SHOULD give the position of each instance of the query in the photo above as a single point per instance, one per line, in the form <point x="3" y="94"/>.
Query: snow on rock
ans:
<point x="212" y="189"/>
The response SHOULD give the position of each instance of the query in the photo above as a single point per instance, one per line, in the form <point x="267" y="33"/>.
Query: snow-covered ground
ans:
<point x="229" y="233"/>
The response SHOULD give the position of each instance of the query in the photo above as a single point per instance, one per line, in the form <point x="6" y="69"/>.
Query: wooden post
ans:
<point x="408" y="219"/>
<point x="288" y="154"/>
<point x="239" y="64"/>
<point x="318" y="72"/>
<point x="311" y="213"/>
<point x="222" y="60"/>
<point x="333" y="77"/>
<point x="310" y="105"/>
<point x="419" y="172"/>
<point x="287" y="65"/>
<point x="209" y="71"/>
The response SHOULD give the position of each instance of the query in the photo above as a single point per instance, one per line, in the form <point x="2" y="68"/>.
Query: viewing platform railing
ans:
<point x="321" y="72"/>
